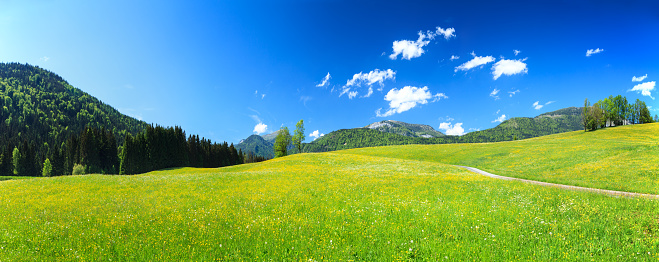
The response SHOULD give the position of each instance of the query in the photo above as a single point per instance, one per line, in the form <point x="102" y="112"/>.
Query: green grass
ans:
<point x="3" y="178"/>
<point x="623" y="158"/>
<point x="326" y="206"/>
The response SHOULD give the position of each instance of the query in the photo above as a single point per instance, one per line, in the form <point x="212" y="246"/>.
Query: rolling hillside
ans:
<point x="384" y="203"/>
<point x="619" y="158"/>
<point x="564" y="120"/>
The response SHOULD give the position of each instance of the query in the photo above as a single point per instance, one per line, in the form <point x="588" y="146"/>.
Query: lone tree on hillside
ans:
<point x="282" y="141"/>
<point x="298" y="136"/>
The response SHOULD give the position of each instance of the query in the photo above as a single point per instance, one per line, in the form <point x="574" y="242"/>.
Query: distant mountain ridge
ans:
<point x="257" y="145"/>
<point x="559" y="121"/>
<point x="405" y="129"/>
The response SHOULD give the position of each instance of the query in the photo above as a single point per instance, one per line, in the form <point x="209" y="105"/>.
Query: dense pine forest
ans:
<point x="51" y="128"/>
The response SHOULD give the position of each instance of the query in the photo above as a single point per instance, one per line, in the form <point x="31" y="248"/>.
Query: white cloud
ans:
<point x="316" y="135"/>
<point x="508" y="67"/>
<point x="370" y="92"/>
<point x="325" y="81"/>
<point x="475" y="62"/>
<point x="500" y="119"/>
<point x="375" y="76"/>
<point x="256" y="93"/>
<point x="513" y="92"/>
<point x="474" y="129"/>
<point x="407" y="98"/>
<point x="644" y="88"/>
<point x="368" y="79"/>
<point x="447" y="33"/>
<point x="45" y="59"/>
<point x="517" y="52"/>
<point x="537" y="104"/>
<point x="593" y="51"/>
<point x="494" y="94"/>
<point x="452" y="130"/>
<point x="454" y="57"/>
<point x="409" y="49"/>
<point x="448" y="118"/>
<point x="640" y="78"/>
<point x="260" y="128"/>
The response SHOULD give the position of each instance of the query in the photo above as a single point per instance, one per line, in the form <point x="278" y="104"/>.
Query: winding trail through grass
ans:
<point x="577" y="188"/>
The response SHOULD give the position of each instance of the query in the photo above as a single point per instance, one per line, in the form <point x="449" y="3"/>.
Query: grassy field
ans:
<point x="327" y="206"/>
<point x="623" y="158"/>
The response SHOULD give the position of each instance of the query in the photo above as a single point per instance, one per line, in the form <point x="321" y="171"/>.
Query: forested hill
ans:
<point x="402" y="128"/>
<point x="257" y="145"/>
<point x="41" y="107"/>
<point x="41" y="112"/>
<point x="563" y="120"/>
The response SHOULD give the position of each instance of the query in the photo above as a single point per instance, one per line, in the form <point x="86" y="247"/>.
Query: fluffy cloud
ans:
<point x="508" y="67"/>
<point x="513" y="92"/>
<point x="500" y="119"/>
<point x="409" y="49"/>
<point x="325" y="81"/>
<point x="494" y="94"/>
<point x="260" y="128"/>
<point x="640" y="78"/>
<point x="368" y="79"/>
<point x="645" y="88"/>
<point x="45" y="59"/>
<point x="315" y="134"/>
<point x="407" y="98"/>
<point x="375" y="76"/>
<point x="452" y="130"/>
<point x="537" y="104"/>
<point x="593" y="51"/>
<point x="454" y="57"/>
<point x="475" y="62"/>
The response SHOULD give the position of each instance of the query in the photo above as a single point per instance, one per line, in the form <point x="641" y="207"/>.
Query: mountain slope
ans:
<point x="39" y="111"/>
<point x="41" y="107"/>
<point x="563" y="120"/>
<point x="257" y="145"/>
<point x="405" y="129"/>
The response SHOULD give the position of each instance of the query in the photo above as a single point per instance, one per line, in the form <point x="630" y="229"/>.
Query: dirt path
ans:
<point x="601" y="191"/>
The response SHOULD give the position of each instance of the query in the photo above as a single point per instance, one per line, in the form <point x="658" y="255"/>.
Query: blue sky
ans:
<point x="227" y="69"/>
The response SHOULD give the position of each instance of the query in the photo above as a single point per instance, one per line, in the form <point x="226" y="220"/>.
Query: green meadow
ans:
<point x="624" y="158"/>
<point x="384" y="204"/>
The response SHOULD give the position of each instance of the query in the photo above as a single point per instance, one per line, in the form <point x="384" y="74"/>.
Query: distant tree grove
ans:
<point x="614" y="111"/>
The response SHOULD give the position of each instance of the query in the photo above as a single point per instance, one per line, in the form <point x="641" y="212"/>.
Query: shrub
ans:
<point x="78" y="169"/>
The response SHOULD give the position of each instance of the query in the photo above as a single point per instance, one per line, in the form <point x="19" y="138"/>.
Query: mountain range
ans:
<point x="391" y="132"/>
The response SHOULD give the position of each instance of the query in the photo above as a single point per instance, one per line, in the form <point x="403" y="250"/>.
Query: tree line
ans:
<point x="615" y="111"/>
<point x="95" y="151"/>
<point x="158" y="148"/>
